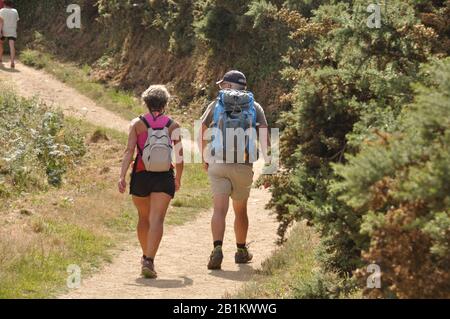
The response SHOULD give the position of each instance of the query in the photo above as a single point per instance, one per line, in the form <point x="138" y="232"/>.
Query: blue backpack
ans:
<point x="234" y="127"/>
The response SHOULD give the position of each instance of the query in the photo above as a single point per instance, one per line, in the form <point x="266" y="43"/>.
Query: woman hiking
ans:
<point x="153" y="180"/>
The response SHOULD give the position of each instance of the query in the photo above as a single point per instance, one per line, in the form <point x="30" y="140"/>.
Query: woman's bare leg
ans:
<point x="159" y="204"/>
<point x="143" y="206"/>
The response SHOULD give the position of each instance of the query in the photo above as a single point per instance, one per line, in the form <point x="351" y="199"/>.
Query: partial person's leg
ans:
<point x="159" y="205"/>
<point x="12" y="49"/>
<point x="242" y="256"/>
<point x="1" y="51"/>
<point x="218" y="221"/>
<point x="221" y="188"/>
<point x="218" y="225"/>
<point x="242" y="180"/>
<point x="143" y="206"/>
<point x="240" y="221"/>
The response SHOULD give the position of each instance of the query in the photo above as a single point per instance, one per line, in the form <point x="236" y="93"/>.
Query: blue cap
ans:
<point x="234" y="76"/>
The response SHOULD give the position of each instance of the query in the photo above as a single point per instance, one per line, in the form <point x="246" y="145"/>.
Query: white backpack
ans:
<point x="157" y="152"/>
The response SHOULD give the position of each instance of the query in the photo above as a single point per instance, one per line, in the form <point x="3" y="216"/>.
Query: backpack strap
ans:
<point x="217" y="109"/>
<point x="169" y="123"/>
<point x="156" y="117"/>
<point x="143" y="119"/>
<point x="139" y="150"/>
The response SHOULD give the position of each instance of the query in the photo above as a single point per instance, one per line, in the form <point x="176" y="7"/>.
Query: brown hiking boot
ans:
<point x="243" y="256"/>
<point x="215" y="260"/>
<point x="148" y="269"/>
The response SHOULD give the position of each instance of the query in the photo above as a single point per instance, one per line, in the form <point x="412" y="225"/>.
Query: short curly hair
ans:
<point x="156" y="97"/>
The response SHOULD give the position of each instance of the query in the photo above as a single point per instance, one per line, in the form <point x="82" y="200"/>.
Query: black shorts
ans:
<point x="8" y="38"/>
<point x="144" y="183"/>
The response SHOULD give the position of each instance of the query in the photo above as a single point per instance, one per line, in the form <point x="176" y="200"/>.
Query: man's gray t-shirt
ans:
<point x="10" y="17"/>
<point x="207" y="117"/>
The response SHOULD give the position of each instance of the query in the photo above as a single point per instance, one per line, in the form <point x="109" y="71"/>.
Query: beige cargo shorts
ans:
<point x="234" y="180"/>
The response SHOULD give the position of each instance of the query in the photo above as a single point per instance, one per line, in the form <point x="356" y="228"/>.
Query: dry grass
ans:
<point x="292" y="264"/>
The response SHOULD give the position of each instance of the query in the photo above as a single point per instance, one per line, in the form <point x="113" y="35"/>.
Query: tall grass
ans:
<point x="37" y="147"/>
<point x="294" y="271"/>
<point x="37" y="263"/>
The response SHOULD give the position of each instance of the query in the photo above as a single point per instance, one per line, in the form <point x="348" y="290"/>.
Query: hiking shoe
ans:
<point x="243" y="256"/>
<point x="215" y="260"/>
<point x="148" y="269"/>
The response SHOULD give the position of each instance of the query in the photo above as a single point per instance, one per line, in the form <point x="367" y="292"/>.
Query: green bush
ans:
<point x="320" y="286"/>
<point x="399" y="185"/>
<point x="32" y="58"/>
<point x="348" y="81"/>
<point x="37" y="146"/>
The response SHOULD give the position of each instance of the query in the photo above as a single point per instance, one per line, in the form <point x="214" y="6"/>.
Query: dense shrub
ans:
<point x="399" y="184"/>
<point x="349" y="80"/>
<point x="37" y="147"/>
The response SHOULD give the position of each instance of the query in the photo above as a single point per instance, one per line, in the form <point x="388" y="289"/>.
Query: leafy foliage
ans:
<point x="348" y="82"/>
<point x="400" y="184"/>
<point x="36" y="146"/>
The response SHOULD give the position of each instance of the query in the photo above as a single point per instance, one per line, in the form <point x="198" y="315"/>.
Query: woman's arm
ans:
<point x="179" y="161"/>
<point x="128" y="156"/>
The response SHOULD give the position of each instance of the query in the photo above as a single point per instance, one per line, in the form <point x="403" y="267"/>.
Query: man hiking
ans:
<point x="231" y="154"/>
<point x="8" y="29"/>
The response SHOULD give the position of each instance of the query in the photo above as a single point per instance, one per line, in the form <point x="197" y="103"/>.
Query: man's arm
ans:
<point x="264" y="141"/>
<point x="203" y="143"/>
<point x="263" y="132"/>
<point x="202" y="140"/>
<point x="179" y="154"/>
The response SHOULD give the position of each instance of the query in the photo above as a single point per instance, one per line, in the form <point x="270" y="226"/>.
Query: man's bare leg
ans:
<point x="218" y="221"/>
<point x="241" y="221"/>
<point x="12" y="48"/>
<point x="242" y="256"/>
<point x="218" y="225"/>
<point x="1" y="51"/>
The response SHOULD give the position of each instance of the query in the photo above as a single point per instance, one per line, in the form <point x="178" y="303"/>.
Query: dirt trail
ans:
<point x="181" y="260"/>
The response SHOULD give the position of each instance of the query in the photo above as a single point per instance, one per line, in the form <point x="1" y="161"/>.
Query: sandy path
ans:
<point x="182" y="258"/>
